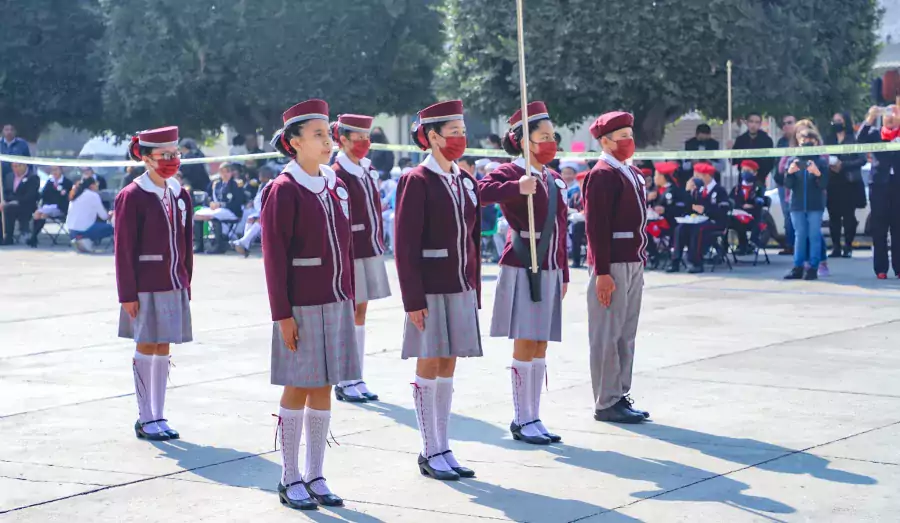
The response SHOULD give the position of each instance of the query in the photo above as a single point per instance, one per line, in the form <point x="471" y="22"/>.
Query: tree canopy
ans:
<point x="202" y="63"/>
<point x="660" y="59"/>
<point x="49" y="72"/>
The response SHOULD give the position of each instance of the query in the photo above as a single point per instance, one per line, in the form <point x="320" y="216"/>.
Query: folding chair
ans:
<point x="60" y="229"/>
<point x="718" y="252"/>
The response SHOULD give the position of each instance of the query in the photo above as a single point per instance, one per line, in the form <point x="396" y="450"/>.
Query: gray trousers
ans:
<point x="612" y="332"/>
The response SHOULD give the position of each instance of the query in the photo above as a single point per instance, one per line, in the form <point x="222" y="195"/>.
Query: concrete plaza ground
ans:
<point x="771" y="401"/>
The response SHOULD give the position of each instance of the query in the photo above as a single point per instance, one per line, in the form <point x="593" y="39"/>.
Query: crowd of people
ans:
<point x="227" y="203"/>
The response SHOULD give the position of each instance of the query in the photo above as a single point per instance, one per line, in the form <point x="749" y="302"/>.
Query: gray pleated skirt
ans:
<point x="517" y="317"/>
<point x="163" y="317"/>
<point x="326" y="351"/>
<point x="371" y="279"/>
<point x="451" y="328"/>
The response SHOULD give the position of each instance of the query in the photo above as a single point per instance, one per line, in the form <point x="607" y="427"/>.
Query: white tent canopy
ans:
<point x="104" y="147"/>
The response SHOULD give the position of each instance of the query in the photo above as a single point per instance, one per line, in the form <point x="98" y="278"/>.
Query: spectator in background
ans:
<point x="195" y="175"/>
<point x="807" y="178"/>
<point x="755" y="138"/>
<point x="382" y="161"/>
<point x="555" y="163"/>
<point x="131" y="173"/>
<point x="21" y="190"/>
<point x="493" y="142"/>
<point x="884" y="189"/>
<point x="404" y="162"/>
<point x="238" y="145"/>
<point x="467" y="163"/>
<point x="787" y="140"/>
<point x="54" y="202"/>
<point x="252" y="228"/>
<point x="846" y="192"/>
<point x="226" y="204"/>
<point x="88" y="172"/>
<point x="480" y="165"/>
<point x="252" y="144"/>
<point x="87" y="216"/>
<point x="12" y="145"/>
<point x="702" y="141"/>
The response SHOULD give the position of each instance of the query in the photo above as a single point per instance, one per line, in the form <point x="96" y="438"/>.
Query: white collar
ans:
<point x="145" y="183"/>
<point x="316" y="184"/>
<point x="611" y="160"/>
<point x="356" y="170"/>
<point x="711" y="185"/>
<point x="432" y="165"/>
<point x="520" y="162"/>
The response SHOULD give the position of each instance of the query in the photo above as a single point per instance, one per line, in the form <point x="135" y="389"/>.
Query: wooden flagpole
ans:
<point x="526" y="142"/>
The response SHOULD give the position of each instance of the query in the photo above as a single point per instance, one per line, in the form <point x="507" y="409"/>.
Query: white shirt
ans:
<point x="84" y="211"/>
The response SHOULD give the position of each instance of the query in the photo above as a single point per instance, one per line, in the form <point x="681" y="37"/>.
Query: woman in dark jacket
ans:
<point x="807" y="178"/>
<point x="846" y="192"/>
<point x="382" y="161"/>
<point x="195" y="175"/>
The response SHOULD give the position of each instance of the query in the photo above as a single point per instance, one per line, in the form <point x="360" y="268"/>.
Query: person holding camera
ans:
<point x="884" y="188"/>
<point x="807" y="178"/>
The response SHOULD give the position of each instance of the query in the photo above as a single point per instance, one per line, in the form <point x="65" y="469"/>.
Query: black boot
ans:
<point x="198" y="237"/>
<point x="835" y="252"/>
<point x="848" y="251"/>
<point x="618" y="414"/>
<point x="629" y="403"/>
<point x="811" y="274"/>
<point x="221" y="242"/>
<point x="796" y="273"/>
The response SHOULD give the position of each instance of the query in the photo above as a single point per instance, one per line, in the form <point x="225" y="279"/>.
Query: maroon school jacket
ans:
<point x="153" y="238"/>
<point x="307" y="251"/>
<point x="502" y="186"/>
<point x="365" y="205"/>
<point x="615" y="204"/>
<point x="438" y="233"/>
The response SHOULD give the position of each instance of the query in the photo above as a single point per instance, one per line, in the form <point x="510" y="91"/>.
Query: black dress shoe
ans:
<point x="300" y="504"/>
<point x="618" y="414"/>
<point x="549" y="435"/>
<point x="173" y="434"/>
<point x="796" y="273"/>
<point x="443" y="475"/>
<point x="811" y="274"/>
<point x="517" y="435"/>
<point x="463" y="472"/>
<point x="695" y="269"/>
<point x="327" y="500"/>
<point x="343" y="396"/>
<point x="370" y="396"/>
<point x="629" y="403"/>
<point x="141" y="434"/>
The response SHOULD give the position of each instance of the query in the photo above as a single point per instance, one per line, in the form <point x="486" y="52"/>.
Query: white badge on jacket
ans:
<point x="183" y="208"/>
<point x="345" y="204"/>
<point x="470" y="190"/>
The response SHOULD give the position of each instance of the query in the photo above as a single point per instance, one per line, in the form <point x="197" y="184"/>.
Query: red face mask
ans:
<point x="360" y="148"/>
<point x="455" y="148"/>
<point x="624" y="149"/>
<point x="544" y="152"/>
<point x="167" y="168"/>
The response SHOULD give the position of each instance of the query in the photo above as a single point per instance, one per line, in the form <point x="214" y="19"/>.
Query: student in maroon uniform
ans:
<point x="615" y="203"/>
<point x="439" y="264"/>
<point x="351" y="132"/>
<point x="308" y="255"/>
<point x="154" y="263"/>
<point x="528" y="306"/>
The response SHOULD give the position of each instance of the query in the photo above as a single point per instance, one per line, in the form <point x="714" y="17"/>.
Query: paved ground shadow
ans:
<point x="723" y="447"/>
<point x="251" y="471"/>
<point x="519" y="505"/>
<point x="670" y="478"/>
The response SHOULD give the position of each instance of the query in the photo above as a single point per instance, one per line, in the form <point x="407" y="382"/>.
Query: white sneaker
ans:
<point x="84" y="245"/>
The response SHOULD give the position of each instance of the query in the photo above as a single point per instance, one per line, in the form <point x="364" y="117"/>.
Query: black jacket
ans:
<point x="716" y="204"/>
<point x="382" y="161"/>
<point x="761" y="141"/>
<point x="673" y="199"/>
<point x="26" y="195"/>
<point x="808" y="190"/>
<point x="230" y="195"/>
<point x="195" y="175"/>
<point x="884" y="162"/>
<point x="58" y="195"/>
<point x="757" y="199"/>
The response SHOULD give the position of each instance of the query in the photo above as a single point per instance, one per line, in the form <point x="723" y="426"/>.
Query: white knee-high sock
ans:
<point x="291" y="422"/>
<point x="538" y="371"/>
<point x="443" y="399"/>
<point x="520" y="374"/>
<point x="361" y="347"/>
<point x="424" y="393"/>
<point x="158" y="388"/>
<point x="142" y="367"/>
<point x="317" y="422"/>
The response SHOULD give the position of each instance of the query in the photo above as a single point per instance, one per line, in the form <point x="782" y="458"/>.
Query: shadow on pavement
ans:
<point x="519" y="505"/>
<point x="724" y="448"/>
<point x="670" y="478"/>
<point x="254" y="472"/>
